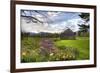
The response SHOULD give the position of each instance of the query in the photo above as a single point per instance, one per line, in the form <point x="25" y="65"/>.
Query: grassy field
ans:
<point x="65" y="50"/>
<point x="81" y="44"/>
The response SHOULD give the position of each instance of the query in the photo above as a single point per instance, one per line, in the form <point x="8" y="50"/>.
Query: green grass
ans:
<point x="82" y="38"/>
<point x="81" y="44"/>
<point x="30" y="42"/>
<point x="30" y="49"/>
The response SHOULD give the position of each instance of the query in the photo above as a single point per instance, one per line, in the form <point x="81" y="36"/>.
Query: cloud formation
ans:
<point x="53" y="22"/>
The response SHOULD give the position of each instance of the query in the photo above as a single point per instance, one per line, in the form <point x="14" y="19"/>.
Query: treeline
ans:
<point x="47" y="35"/>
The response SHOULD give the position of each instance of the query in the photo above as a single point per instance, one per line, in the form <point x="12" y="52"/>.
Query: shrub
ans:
<point x="55" y="39"/>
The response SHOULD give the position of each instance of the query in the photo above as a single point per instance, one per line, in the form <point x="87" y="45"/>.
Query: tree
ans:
<point x="85" y="16"/>
<point x="83" y="27"/>
<point x="30" y="14"/>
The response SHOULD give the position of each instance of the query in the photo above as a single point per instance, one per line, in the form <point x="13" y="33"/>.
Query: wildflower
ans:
<point x="33" y="51"/>
<point x="24" y="53"/>
<point x="70" y="56"/>
<point x="64" y="56"/>
<point x="73" y="56"/>
<point x="57" y="58"/>
<point x="51" y="54"/>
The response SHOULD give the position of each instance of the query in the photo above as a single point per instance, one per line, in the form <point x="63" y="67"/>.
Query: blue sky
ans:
<point x="53" y="21"/>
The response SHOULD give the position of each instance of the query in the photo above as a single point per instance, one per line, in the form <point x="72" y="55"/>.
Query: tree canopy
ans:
<point x="84" y="27"/>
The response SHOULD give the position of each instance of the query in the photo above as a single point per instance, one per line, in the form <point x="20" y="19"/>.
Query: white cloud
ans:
<point x="53" y="14"/>
<point x="40" y="17"/>
<point x="51" y="28"/>
<point x="73" y="24"/>
<point x="38" y="27"/>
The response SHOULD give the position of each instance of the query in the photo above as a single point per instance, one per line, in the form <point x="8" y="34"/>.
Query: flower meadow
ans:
<point x="35" y="49"/>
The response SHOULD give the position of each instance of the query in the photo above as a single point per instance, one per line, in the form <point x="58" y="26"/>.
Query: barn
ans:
<point x="68" y="34"/>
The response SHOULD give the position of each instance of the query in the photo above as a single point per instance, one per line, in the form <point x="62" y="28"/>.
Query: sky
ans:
<point x="53" y="21"/>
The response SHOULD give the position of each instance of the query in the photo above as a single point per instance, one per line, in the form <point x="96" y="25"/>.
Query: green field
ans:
<point x="82" y="46"/>
<point x="64" y="50"/>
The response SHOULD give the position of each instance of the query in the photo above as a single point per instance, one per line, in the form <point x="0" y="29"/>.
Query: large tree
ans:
<point x="85" y="16"/>
<point x="31" y="15"/>
<point x="84" y="28"/>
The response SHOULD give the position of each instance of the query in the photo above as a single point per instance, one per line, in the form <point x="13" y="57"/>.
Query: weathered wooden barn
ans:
<point x="68" y="34"/>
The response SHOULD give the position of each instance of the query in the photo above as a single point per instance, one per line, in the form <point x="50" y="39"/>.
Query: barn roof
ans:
<point x="68" y="32"/>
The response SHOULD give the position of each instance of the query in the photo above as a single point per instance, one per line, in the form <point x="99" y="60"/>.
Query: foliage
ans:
<point x="84" y="28"/>
<point x="85" y="16"/>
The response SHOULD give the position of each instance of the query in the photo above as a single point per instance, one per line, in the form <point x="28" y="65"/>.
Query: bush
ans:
<point x="55" y="39"/>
